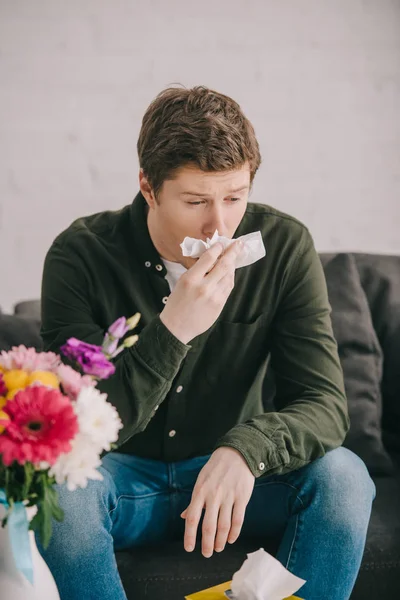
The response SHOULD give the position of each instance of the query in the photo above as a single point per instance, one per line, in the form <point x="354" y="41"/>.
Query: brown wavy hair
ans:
<point x="195" y="126"/>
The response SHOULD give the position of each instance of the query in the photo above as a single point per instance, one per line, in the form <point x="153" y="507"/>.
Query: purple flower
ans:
<point x="109" y="345"/>
<point x="89" y="357"/>
<point x="119" y="328"/>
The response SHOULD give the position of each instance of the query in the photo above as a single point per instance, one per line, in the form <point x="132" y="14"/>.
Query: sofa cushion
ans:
<point x="167" y="572"/>
<point x="380" y="278"/>
<point x="28" y="308"/>
<point x="16" y="330"/>
<point x="361" y="358"/>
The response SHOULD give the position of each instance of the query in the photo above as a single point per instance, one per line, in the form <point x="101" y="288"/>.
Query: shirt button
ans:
<point x="159" y="267"/>
<point x="179" y="389"/>
<point x="172" y="433"/>
<point x="147" y="263"/>
<point x="165" y="299"/>
<point x="261" y="466"/>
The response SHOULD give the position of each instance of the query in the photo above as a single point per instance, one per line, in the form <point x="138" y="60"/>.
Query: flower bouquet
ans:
<point x="54" y="426"/>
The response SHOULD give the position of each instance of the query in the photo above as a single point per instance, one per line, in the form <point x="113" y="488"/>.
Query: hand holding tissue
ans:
<point x="253" y="247"/>
<point x="261" y="577"/>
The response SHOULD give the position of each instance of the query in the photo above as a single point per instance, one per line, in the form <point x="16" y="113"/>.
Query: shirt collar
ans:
<point x="141" y="237"/>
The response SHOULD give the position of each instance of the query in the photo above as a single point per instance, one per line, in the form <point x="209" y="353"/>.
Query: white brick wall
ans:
<point x="319" y="80"/>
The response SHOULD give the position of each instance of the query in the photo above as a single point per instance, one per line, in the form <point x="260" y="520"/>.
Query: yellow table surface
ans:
<point x="218" y="593"/>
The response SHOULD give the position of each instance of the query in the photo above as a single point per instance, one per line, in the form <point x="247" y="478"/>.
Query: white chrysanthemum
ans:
<point x="97" y="418"/>
<point x="77" y="466"/>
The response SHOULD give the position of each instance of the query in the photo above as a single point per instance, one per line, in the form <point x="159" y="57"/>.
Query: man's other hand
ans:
<point x="223" y="488"/>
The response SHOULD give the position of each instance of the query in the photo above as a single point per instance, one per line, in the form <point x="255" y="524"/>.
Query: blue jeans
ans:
<point x="320" y="512"/>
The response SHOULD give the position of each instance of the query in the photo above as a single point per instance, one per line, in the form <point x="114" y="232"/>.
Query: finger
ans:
<point x="209" y="530"/>
<point x="184" y="513"/>
<point x="227" y="284"/>
<point x="226" y="264"/>
<point x="193" y="514"/>
<point x="207" y="260"/>
<point x="224" y="526"/>
<point x="237" y="522"/>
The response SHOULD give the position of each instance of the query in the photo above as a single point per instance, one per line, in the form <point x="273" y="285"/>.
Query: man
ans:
<point x="198" y="455"/>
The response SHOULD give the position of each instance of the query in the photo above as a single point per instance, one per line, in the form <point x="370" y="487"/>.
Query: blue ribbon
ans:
<point x="18" y="526"/>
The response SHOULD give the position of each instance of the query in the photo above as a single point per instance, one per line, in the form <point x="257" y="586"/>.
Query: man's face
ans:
<point x="195" y="204"/>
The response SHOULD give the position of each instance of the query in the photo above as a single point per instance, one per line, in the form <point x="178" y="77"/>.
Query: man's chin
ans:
<point x="188" y="262"/>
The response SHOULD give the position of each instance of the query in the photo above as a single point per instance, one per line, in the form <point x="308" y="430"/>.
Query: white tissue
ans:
<point x="253" y="247"/>
<point x="263" y="577"/>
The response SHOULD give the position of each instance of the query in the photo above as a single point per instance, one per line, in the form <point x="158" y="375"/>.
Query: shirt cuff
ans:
<point x="260" y="453"/>
<point x="160" y="349"/>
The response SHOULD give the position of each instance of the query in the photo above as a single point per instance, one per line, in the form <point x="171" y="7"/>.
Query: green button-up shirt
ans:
<point x="178" y="401"/>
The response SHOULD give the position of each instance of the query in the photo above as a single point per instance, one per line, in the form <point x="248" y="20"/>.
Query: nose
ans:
<point x="214" y="220"/>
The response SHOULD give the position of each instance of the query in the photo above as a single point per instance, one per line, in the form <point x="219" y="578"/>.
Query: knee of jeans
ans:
<point x="96" y="494"/>
<point x="347" y="487"/>
<point x="86" y="515"/>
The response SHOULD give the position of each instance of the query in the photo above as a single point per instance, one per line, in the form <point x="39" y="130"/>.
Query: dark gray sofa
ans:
<point x="168" y="573"/>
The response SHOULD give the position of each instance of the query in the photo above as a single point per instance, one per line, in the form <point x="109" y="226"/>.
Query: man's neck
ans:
<point x="156" y="239"/>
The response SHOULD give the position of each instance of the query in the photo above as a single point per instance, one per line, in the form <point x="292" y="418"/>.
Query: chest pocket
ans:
<point x="236" y="351"/>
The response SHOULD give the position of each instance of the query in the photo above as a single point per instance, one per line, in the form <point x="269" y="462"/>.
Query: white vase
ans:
<point x="13" y="584"/>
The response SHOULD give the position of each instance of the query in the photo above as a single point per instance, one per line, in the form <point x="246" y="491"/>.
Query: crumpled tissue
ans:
<point x="263" y="577"/>
<point x="253" y="247"/>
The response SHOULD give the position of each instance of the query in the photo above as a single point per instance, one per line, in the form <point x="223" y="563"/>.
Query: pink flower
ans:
<point x="72" y="381"/>
<point x="90" y="358"/>
<point x="27" y="359"/>
<point x="42" y="423"/>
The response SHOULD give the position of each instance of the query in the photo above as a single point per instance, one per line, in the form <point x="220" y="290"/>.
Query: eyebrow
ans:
<point x="241" y="189"/>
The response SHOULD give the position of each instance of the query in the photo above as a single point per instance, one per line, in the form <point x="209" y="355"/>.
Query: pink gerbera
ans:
<point x="41" y="425"/>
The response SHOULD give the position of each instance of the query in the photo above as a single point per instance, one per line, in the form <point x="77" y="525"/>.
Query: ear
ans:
<point x="146" y="189"/>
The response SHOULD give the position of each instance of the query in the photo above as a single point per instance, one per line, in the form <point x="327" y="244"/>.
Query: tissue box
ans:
<point x="218" y="592"/>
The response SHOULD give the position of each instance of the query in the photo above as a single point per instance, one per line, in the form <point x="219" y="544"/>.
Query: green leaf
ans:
<point x="46" y="524"/>
<point x="36" y="522"/>
<point x="29" y="471"/>
<point x="52" y="497"/>
<point x="48" y="508"/>
<point x="42" y="520"/>
<point x="7" y="481"/>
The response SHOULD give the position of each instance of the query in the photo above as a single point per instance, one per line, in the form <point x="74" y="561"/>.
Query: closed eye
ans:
<point x="233" y="200"/>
